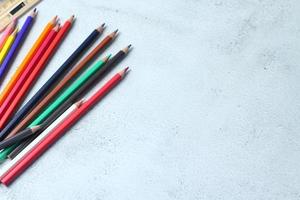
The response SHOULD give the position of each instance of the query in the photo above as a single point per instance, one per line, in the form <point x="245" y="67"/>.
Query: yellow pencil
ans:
<point x="7" y="45"/>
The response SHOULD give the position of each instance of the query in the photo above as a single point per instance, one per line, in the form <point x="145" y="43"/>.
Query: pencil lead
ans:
<point x="101" y="28"/>
<point x="123" y="72"/>
<point x="71" y="19"/>
<point x="105" y="59"/>
<point x="126" y="49"/>
<point x="34" y="13"/>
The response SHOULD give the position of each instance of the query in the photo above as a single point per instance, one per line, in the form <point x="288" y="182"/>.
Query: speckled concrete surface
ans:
<point x="210" y="109"/>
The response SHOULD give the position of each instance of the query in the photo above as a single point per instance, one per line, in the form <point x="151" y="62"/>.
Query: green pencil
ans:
<point x="60" y="99"/>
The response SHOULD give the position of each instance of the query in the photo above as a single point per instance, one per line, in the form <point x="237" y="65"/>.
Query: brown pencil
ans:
<point x="63" y="83"/>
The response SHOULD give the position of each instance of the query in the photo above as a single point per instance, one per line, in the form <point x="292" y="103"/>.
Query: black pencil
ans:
<point x="60" y="72"/>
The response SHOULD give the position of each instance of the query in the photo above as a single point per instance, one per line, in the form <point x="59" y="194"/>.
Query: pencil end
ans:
<point x="34" y="13"/>
<point x="71" y="19"/>
<point x="106" y="58"/>
<point x="54" y="20"/>
<point x="15" y="31"/>
<point x="101" y="28"/>
<point x="36" y="128"/>
<point x="57" y="27"/>
<point x="124" y="72"/>
<point x="126" y="49"/>
<point x="79" y="103"/>
<point x="114" y="34"/>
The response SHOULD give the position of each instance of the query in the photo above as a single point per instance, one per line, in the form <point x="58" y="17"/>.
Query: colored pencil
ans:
<point x="36" y="71"/>
<point x="82" y="90"/>
<point x="19" y="137"/>
<point x="16" y="76"/>
<point x="69" y="91"/>
<point x="44" y="133"/>
<point x="63" y="83"/>
<point x="20" y="83"/>
<point x="61" y="71"/>
<point x="17" y="43"/>
<point x="7" y="45"/>
<point x="54" y="135"/>
<point x="9" y="29"/>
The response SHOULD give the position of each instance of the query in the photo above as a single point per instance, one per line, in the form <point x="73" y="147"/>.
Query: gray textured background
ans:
<point x="210" y="109"/>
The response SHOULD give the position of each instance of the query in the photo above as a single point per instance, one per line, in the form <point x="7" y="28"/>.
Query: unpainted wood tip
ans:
<point x="79" y="103"/>
<point x="114" y="34"/>
<point x="33" y="13"/>
<point x="124" y="72"/>
<point x="71" y="19"/>
<point x="106" y="58"/>
<point x="15" y="31"/>
<point x="57" y="27"/>
<point x="101" y="28"/>
<point x="126" y="49"/>
<point x="36" y="128"/>
<point x="54" y="20"/>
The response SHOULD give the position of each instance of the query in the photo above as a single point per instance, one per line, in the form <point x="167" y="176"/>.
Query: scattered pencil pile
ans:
<point x="27" y="132"/>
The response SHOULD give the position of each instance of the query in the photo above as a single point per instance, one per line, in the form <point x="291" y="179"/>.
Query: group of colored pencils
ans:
<point x="27" y="132"/>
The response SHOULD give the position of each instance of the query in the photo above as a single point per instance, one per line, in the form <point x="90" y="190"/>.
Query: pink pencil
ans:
<point x="9" y="29"/>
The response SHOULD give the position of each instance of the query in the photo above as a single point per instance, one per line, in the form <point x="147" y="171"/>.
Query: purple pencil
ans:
<point x="18" y="41"/>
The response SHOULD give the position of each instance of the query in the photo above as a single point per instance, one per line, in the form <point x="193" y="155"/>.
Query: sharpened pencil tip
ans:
<point x="57" y="27"/>
<point x="54" y="20"/>
<point x="79" y="103"/>
<point x="105" y="59"/>
<point x="123" y="72"/>
<point x="72" y="18"/>
<point x="101" y="28"/>
<point x="34" y="13"/>
<point x="113" y="34"/>
<point x="36" y="128"/>
<point x="126" y="49"/>
<point x="15" y="31"/>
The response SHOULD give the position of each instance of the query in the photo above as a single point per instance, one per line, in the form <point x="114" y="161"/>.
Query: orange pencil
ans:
<point x="12" y="106"/>
<point x="27" y="60"/>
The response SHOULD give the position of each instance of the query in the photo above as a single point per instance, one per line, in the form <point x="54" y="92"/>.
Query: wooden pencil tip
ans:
<point x="36" y="128"/>
<point x="101" y="28"/>
<point x="15" y="31"/>
<point x="106" y="58"/>
<point x="34" y="13"/>
<point x="123" y="72"/>
<point x="71" y="19"/>
<point x="79" y="103"/>
<point x="114" y="34"/>
<point x="126" y="49"/>
<point x="54" y="20"/>
<point x="57" y="27"/>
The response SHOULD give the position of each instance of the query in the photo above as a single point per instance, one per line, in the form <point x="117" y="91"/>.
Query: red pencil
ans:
<point x="26" y="72"/>
<point x="35" y="73"/>
<point x="59" y="130"/>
